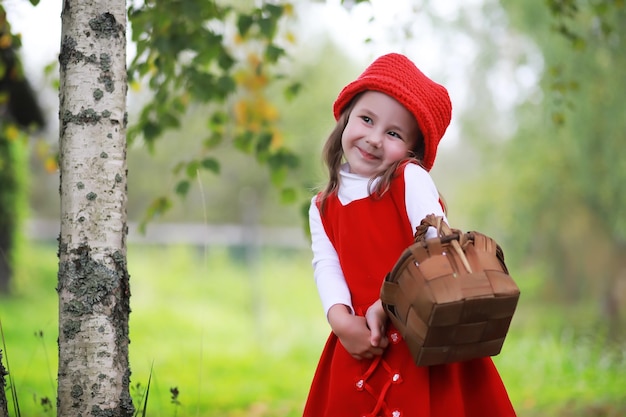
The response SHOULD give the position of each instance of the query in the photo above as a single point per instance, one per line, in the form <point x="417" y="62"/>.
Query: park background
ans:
<point x="225" y="317"/>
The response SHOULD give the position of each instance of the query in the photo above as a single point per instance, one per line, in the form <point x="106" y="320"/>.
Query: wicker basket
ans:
<point x="450" y="297"/>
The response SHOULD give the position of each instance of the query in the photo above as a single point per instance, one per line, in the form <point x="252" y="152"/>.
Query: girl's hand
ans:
<point x="376" y="319"/>
<point x="353" y="333"/>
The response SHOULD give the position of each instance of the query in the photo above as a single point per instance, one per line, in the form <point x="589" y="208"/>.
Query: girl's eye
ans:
<point x="366" y="119"/>
<point x="395" y="135"/>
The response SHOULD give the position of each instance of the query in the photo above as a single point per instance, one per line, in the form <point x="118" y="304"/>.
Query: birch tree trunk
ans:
<point x="93" y="280"/>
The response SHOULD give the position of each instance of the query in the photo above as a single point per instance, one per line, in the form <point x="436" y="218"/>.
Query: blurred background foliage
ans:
<point x="560" y="200"/>
<point x="534" y="156"/>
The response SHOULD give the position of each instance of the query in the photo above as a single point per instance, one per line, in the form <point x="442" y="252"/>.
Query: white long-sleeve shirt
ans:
<point x="422" y="198"/>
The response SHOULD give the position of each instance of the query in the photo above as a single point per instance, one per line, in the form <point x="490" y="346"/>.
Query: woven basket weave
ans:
<point x="451" y="297"/>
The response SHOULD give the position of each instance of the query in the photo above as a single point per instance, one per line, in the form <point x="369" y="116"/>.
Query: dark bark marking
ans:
<point x="70" y="328"/>
<point x="106" y="26"/>
<point x="89" y="116"/>
<point x="68" y="52"/>
<point x="77" y="391"/>
<point x="91" y="282"/>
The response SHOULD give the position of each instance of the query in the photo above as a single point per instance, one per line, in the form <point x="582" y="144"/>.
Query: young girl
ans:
<point x="389" y="123"/>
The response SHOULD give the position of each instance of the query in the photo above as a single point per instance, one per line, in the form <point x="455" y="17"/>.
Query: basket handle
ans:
<point x="443" y="231"/>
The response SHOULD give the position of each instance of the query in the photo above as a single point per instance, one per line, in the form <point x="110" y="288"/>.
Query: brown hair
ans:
<point x="332" y="155"/>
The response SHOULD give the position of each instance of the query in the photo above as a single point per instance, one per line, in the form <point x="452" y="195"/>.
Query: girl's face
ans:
<point x="380" y="131"/>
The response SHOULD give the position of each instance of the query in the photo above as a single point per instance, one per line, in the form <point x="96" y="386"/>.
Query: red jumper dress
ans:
<point x="369" y="235"/>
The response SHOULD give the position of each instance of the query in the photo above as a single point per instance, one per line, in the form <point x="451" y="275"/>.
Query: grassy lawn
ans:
<point x="240" y="336"/>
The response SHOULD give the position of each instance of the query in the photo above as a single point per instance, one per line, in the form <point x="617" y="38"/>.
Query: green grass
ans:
<point x="241" y="338"/>
<point x="563" y="370"/>
<point x="230" y="336"/>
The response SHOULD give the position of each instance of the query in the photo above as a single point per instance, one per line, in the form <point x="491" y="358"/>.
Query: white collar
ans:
<point x="353" y="186"/>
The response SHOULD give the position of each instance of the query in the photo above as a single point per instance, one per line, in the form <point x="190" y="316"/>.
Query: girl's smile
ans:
<point x="367" y="155"/>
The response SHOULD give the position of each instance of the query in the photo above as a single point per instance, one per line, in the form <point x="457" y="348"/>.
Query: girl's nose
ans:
<point x="374" y="139"/>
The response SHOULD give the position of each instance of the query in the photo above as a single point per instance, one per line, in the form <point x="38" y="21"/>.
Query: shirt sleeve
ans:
<point x="422" y="197"/>
<point x="329" y="278"/>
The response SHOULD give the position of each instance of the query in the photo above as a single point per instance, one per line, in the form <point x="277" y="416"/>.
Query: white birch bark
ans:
<point x="93" y="281"/>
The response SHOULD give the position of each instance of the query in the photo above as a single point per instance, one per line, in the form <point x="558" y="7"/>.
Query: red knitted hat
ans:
<point x="398" y="77"/>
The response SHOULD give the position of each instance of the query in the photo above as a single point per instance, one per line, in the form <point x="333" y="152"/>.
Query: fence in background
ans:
<point x="191" y="233"/>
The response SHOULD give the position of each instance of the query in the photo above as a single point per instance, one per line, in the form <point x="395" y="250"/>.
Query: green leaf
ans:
<point x="273" y="53"/>
<point x="210" y="51"/>
<point x="50" y="68"/>
<point x="225" y="61"/>
<point x="201" y="85"/>
<point x="263" y="143"/>
<point x="182" y="188"/>
<point x="212" y="141"/>
<point x="284" y="157"/>
<point x="178" y="105"/>
<point x="276" y="11"/>
<point x="168" y="120"/>
<point x="192" y="169"/>
<point x="157" y="208"/>
<point x="217" y="120"/>
<point x="244" y="23"/>
<point x="243" y="141"/>
<point x="211" y="164"/>
<point x="151" y="131"/>
<point x="268" y="27"/>
<point x="292" y="90"/>
<point x="226" y="85"/>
